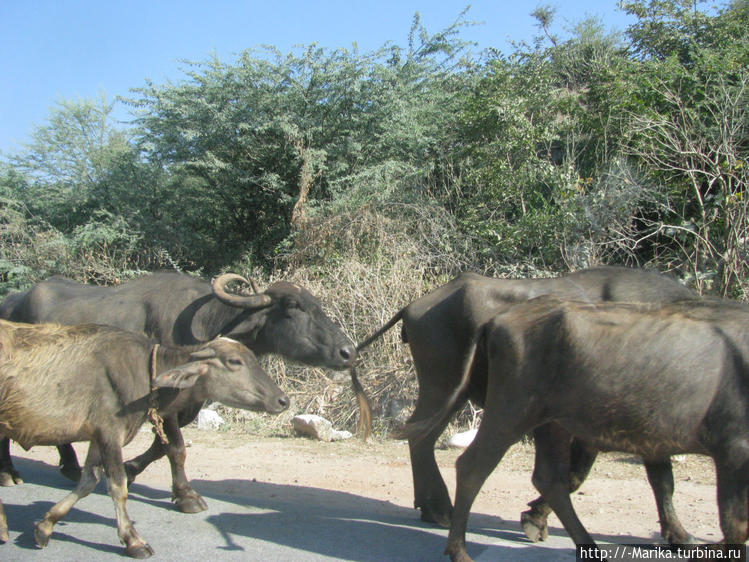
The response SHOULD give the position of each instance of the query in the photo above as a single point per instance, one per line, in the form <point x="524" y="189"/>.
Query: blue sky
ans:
<point x="69" y="49"/>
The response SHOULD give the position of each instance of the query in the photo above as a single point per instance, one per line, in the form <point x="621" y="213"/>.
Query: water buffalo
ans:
<point x="645" y="379"/>
<point x="60" y="384"/>
<point x="10" y="302"/>
<point x="184" y="310"/>
<point x="439" y="328"/>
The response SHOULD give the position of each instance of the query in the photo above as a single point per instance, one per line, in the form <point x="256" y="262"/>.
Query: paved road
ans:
<point x="255" y="521"/>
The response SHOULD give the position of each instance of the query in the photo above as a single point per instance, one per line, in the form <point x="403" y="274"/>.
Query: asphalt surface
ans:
<point x="257" y="521"/>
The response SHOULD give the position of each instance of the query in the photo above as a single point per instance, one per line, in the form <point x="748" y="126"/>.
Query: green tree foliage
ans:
<point x="79" y="201"/>
<point x="372" y="177"/>
<point x="601" y="149"/>
<point x="256" y="147"/>
<point x="688" y="122"/>
<point x="540" y="132"/>
<point x="571" y="150"/>
<point x="64" y="166"/>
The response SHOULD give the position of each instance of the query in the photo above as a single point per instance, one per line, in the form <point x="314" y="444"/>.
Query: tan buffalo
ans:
<point x="61" y="384"/>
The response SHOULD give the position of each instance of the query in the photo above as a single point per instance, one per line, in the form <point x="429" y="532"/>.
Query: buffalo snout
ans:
<point x="278" y="405"/>
<point x="348" y="354"/>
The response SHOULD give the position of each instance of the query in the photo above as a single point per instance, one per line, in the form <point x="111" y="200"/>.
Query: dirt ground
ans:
<point x="615" y="503"/>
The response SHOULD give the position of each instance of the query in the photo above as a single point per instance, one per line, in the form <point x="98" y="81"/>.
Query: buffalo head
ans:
<point x="286" y="319"/>
<point x="226" y="371"/>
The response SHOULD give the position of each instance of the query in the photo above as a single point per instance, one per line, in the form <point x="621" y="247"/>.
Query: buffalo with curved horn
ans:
<point x="177" y="308"/>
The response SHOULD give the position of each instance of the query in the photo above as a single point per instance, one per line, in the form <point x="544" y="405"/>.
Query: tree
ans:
<point x="258" y="147"/>
<point x="689" y="129"/>
<point x="80" y="192"/>
<point x="540" y="133"/>
<point x="67" y="159"/>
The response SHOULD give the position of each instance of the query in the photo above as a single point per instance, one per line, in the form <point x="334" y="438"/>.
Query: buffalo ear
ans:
<point x="203" y="353"/>
<point x="183" y="376"/>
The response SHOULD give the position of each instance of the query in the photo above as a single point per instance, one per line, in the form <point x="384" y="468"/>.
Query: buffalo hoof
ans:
<point x="430" y="516"/>
<point x="71" y="472"/>
<point x="678" y="539"/>
<point x="192" y="503"/>
<point x="41" y="533"/>
<point x="143" y="550"/>
<point x="458" y="554"/>
<point x="534" y="526"/>
<point x="10" y="477"/>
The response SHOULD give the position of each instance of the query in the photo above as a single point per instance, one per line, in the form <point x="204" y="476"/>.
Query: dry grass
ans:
<point x="360" y="299"/>
<point x="364" y="267"/>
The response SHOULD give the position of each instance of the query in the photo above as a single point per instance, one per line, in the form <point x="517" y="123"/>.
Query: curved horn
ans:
<point x="255" y="288"/>
<point x="252" y="301"/>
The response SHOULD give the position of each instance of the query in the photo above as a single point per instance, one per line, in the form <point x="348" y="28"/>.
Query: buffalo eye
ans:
<point x="292" y="307"/>
<point x="234" y="363"/>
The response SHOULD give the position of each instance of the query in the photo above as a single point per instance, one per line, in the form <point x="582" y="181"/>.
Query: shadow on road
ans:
<point x="249" y="517"/>
<point x="343" y="525"/>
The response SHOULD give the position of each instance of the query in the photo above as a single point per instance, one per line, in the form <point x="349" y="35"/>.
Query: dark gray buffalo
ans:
<point x="653" y="381"/>
<point x="439" y="328"/>
<point x="60" y="384"/>
<point x="176" y="308"/>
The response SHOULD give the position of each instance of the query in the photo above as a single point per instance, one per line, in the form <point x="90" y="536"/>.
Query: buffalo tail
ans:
<point x="364" y="428"/>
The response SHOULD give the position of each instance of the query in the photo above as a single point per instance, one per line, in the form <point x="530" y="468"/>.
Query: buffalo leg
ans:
<point x="534" y="520"/>
<point x="9" y="476"/>
<point x="661" y="477"/>
<point x="473" y="467"/>
<point x="135" y="466"/>
<point x="89" y="478"/>
<point x="183" y="495"/>
<point x="69" y="466"/>
<point x="3" y="524"/>
<point x="157" y="449"/>
<point x="732" y="503"/>
<point x="135" y="546"/>
<point x="430" y="490"/>
<point x="436" y="368"/>
<point x="551" y="477"/>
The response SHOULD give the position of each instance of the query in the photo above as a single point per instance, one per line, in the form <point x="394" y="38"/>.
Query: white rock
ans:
<point x="208" y="419"/>
<point x="313" y="426"/>
<point x="336" y="435"/>
<point x="462" y="440"/>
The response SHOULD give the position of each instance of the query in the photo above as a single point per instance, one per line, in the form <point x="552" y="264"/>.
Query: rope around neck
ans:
<point x="153" y="402"/>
